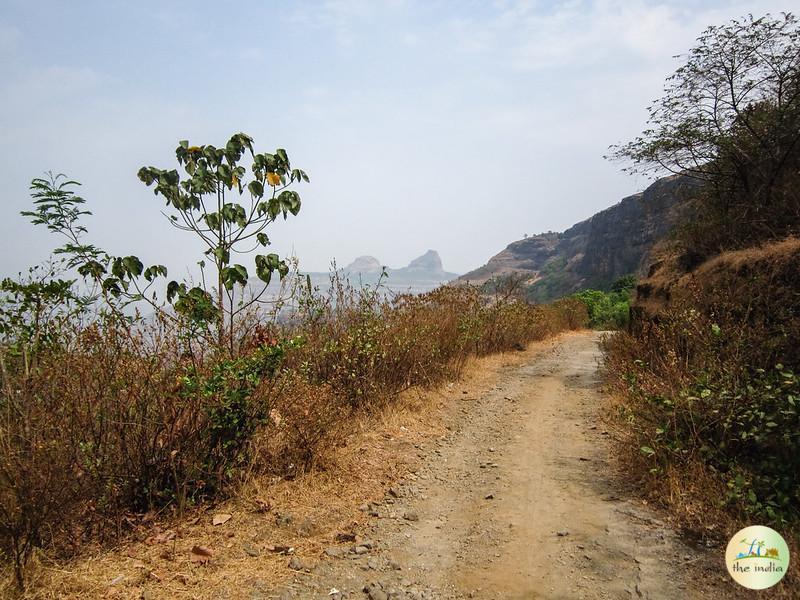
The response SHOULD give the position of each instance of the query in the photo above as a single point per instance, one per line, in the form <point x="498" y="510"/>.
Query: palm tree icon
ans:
<point x="755" y="543"/>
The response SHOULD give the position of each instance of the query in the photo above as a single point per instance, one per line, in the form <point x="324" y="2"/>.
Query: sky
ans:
<point x="454" y="125"/>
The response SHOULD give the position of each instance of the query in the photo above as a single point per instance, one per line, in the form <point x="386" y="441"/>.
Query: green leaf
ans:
<point x="112" y="286"/>
<point x="256" y="188"/>
<point x="283" y="269"/>
<point x="92" y="268"/>
<point x="233" y="275"/>
<point x="173" y="287"/>
<point x="133" y="266"/>
<point x="212" y="220"/>
<point x="263" y="269"/>
<point x="280" y="153"/>
<point x="222" y="254"/>
<point x="151" y="272"/>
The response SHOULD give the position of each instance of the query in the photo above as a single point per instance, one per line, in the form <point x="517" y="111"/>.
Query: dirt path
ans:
<point x="516" y="501"/>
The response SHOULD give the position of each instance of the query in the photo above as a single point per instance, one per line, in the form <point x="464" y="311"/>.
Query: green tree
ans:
<point x="116" y="279"/>
<point x="730" y="117"/>
<point x="230" y="215"/>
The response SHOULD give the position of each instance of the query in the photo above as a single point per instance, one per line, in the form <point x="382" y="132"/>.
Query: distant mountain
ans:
<point x="364" y="264"/>
<point x="430" y="262"/>
<point x="593" y="253"/>
<point x="421" y="275"/>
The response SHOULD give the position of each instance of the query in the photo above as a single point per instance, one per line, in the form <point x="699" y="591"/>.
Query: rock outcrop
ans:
<point x="364" y="264"/>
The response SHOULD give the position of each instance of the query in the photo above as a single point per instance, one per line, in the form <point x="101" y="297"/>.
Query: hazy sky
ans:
<point x="454" y="125"/>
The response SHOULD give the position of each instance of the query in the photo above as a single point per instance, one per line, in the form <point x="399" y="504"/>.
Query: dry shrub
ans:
<point x="369" y="347"/>
<point x="110" y="425"/>
<point x="306" y="422"/>
<point x="709" y="396"/>
<point x="118" y="420"/>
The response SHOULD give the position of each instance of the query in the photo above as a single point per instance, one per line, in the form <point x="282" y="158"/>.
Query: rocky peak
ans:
<point x="364" y="264"/>
<point x="429" y="262"/>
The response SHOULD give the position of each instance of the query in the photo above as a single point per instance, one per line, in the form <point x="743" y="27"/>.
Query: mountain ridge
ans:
<point x="612" y="243"/>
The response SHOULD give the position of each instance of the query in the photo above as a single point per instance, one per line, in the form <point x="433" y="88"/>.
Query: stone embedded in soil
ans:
<point x="334" y="552"/>
<point x="562" y="533"/>
<point x="375" y="591"/>
<point x="411" y="516"/>
<point x="295" y="564"/>
<point x="251" y="551"/>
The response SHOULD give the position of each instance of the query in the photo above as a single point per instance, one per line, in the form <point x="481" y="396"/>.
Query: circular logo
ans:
<point x="757" y="557"/>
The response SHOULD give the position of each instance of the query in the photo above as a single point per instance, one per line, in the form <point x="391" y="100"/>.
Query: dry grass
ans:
<point x="704" y="385"/>
<point x="378" y="450"/>
<point x="112" y="422"/>
<point x="690" y="494"/>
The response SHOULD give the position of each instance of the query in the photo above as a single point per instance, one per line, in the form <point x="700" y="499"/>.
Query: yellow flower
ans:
<point x="273" y="179"/>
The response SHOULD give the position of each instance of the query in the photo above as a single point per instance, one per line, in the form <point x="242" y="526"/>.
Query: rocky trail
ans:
<point x="518" y="500"/>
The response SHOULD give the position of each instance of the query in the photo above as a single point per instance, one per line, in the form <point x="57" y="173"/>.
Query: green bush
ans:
<point x="609" y="310"/>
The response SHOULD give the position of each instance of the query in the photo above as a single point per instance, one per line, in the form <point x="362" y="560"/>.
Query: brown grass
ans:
<point x="703" y="413"/>
<point x="115" y="427"/>
<point x="378" y="450"/>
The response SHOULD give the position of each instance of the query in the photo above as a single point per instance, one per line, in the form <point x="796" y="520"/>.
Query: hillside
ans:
<point x="595" y="252"/>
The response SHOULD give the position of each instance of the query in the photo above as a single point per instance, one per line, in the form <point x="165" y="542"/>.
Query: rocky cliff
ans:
<point x="593" y="253"/>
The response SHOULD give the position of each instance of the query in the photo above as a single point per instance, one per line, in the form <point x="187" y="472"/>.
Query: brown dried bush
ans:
<point x="116" y="420"/>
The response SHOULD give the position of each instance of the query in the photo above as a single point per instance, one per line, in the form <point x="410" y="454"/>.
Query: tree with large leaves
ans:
<point x="230" y="211"/>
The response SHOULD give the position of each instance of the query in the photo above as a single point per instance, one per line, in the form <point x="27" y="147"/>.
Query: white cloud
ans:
<point x="534" y="36"/>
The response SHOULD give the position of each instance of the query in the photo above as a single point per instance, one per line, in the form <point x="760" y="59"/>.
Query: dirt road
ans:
<point x="517" y="501"/>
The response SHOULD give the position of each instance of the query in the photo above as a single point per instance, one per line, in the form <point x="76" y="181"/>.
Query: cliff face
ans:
<point x="593" y="253"/>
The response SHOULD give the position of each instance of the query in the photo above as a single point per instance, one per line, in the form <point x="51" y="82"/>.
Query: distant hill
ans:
<point x="422" y="274"/>
<point x="595" y="252"/>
